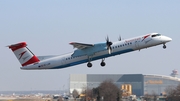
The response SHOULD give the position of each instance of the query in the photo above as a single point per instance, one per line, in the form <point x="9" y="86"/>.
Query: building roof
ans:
<point x="163" y="76"/>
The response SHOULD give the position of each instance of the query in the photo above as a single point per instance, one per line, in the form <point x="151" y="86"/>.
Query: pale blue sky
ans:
<point x="49" y="25"/>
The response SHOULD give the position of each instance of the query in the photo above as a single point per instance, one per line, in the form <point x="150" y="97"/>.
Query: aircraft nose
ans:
<point x="167" y="39"/>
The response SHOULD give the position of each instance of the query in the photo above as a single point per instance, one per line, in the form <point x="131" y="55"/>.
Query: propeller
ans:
<point x="108" y="44"/>
<point x="119" y="38"/>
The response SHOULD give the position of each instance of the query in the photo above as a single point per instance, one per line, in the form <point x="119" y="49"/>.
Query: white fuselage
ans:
<point x="119" y="47"/>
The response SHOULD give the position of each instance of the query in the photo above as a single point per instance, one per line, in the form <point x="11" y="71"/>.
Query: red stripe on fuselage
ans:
<point x="145" y="37"/>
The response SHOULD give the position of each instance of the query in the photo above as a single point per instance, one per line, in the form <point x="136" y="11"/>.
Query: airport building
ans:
<point x="137" y="84"/>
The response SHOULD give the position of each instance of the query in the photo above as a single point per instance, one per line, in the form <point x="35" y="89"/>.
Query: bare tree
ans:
<point x="96" y="93"/>
<point x="170" y="90"/>
<point x="178" y="92"/>
<point x="154" y="96"/>
<point x="119" y="95"/>
<point x="60" y="99"/>
<point x="108" y="91"/>
<point x="75" y="93"/>
<point x="147" y="97"/>
<point x="173" y="93"/>
<point x="151" y="97"/>
<point x="87" y="94"/>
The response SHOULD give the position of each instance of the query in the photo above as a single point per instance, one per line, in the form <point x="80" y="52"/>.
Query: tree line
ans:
<point x="173" y="93"/>
<point x="106" y="91"/>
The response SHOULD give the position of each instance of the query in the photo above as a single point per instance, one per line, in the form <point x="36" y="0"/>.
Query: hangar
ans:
<point x="140" y="84"/>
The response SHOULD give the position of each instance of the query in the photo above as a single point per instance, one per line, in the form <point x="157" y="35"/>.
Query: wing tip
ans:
<point x="71" y="43"/>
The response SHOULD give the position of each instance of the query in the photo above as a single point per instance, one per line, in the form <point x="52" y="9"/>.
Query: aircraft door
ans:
<point x="137" y="44"/>
<point x="63" y="61"/>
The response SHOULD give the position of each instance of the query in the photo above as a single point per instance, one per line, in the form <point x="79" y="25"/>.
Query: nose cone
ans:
<point x="167" y="39"/>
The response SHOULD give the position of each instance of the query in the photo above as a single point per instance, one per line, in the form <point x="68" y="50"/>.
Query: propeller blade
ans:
<point x="119" y="38"/>
<point x="110" y="50"/>
<point x="108" y="44"/>
<point x="107" y="39"/>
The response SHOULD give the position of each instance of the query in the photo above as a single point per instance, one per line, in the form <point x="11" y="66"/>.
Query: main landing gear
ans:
<point x="103" y="63"/>
<point x="89" y="64"/>
<point x="164" y="46"/>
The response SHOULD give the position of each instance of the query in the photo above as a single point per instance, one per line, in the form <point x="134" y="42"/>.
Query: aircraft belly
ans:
<point x="61" y="62"/>
<point x="112" y="54"/>
<point x="84" y="59"/>
<point x="47" y="64"/>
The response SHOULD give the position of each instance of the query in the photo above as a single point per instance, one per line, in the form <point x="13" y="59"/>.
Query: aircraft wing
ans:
<point x="81" y="45"/>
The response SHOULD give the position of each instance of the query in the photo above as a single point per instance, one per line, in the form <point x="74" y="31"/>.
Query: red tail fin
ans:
<point x="23" y="54"/>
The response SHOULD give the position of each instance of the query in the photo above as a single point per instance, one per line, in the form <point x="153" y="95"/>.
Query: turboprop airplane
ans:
<point x="85" y="53"/>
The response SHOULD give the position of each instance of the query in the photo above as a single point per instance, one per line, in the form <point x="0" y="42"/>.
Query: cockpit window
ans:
<point x="156" y="35"/>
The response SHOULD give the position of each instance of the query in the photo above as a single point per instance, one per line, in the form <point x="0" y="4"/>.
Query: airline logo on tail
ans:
<point x="21" y="54"/>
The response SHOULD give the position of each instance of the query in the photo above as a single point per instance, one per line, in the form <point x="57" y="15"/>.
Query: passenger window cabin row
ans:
<point x="126" y="44"/>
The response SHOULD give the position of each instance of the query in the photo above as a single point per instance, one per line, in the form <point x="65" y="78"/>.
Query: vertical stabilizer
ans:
<point x="23" y="54"/>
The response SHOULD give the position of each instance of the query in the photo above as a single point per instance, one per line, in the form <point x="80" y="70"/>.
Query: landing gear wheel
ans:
<point x="103" y="63"/>
<point x="89" y="64"/>
<point x="164" y="46"/>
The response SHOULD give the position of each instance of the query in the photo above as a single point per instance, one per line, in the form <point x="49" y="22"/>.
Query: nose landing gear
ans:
<point x="164" y="46"/>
